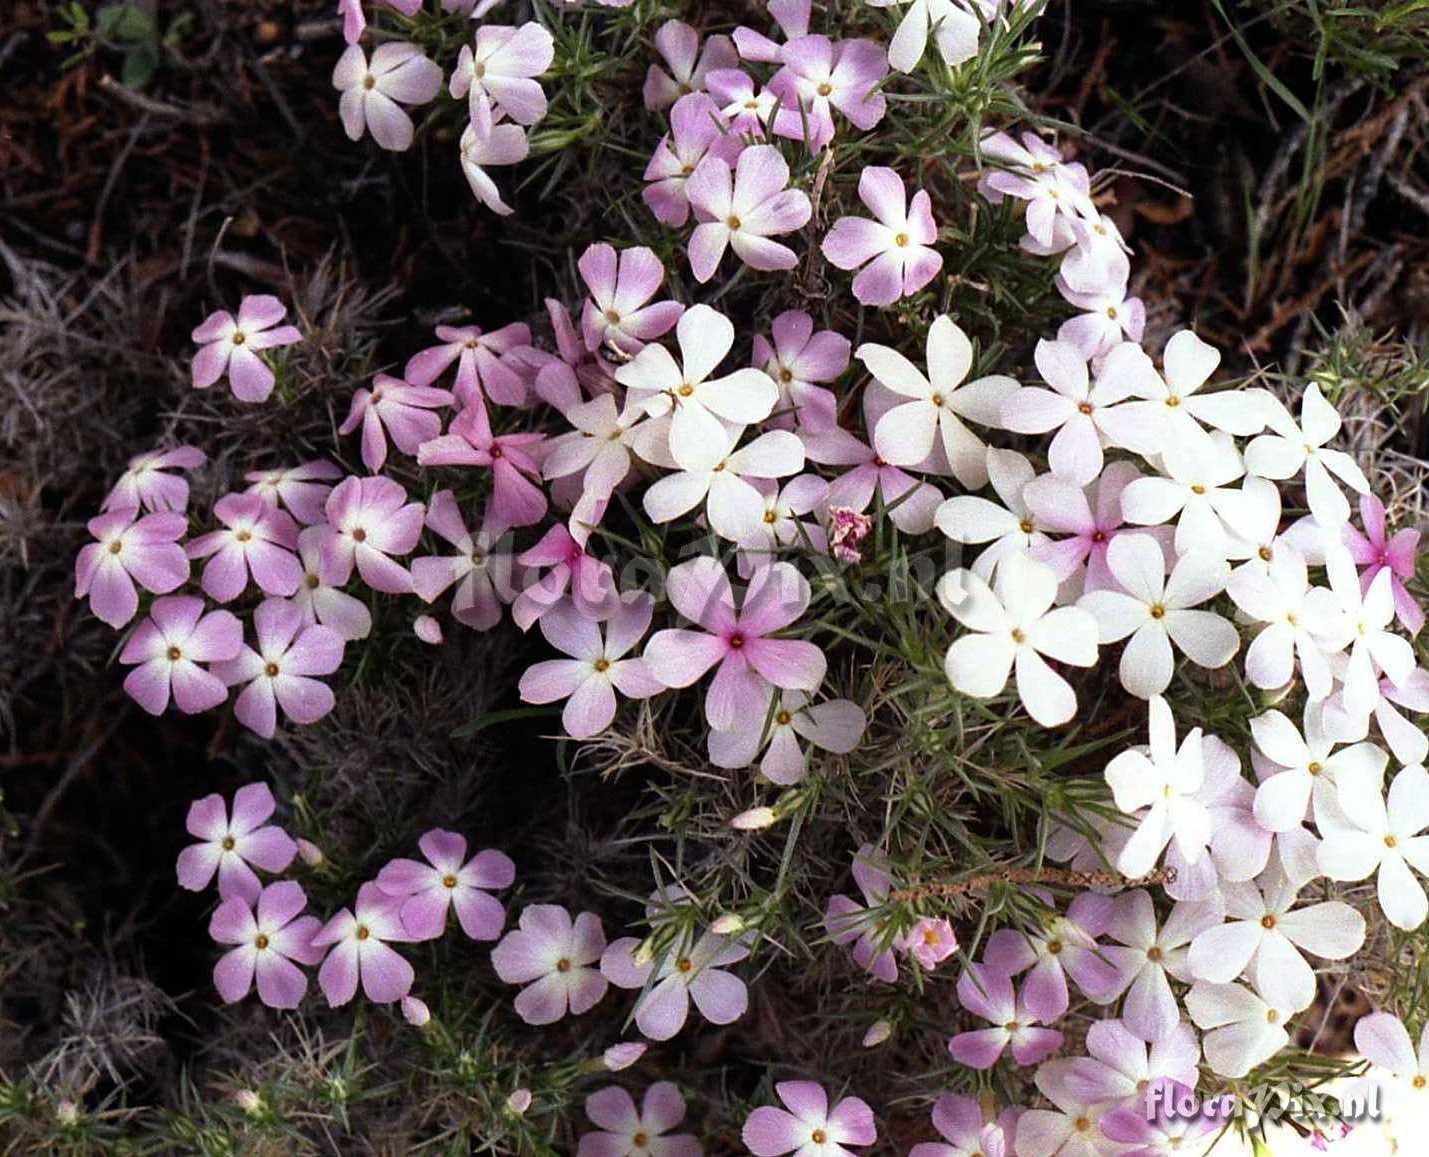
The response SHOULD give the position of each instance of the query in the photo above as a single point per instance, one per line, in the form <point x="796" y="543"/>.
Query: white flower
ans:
<point x="1145" y="956"/>
<point x="1242" y="1028"/>
<point x="1156" y="611"/>
<point x="1295" y="623"/>
<point x="1015" y="627"/>
<point x="1296" y="447"/>
<point x="836" y="725"/>
<point x="1011" y="528"/>
<point x="698" y="439"/>
<point x="1265" y="935"/>
<point x="734" y="508"/>
<point x="1362" y="625"/>
<point x="904" y="435"/>
<point x="1165" y="781"/>
<point x="1195" y="490"/>
<point x="1369" y="835"/>
<point x="955" y="31"/>
<point x="1305" y="768"/>
<point x="373" y="94"/>
<point x="497" y="74"/>
<point x="1111" y="318"/>
<point x="507" y="145"/>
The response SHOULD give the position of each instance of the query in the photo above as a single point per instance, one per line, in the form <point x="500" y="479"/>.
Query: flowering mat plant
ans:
<point x="909" y="636"/>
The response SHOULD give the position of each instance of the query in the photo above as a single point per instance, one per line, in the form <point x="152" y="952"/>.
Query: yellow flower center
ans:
<point x="448" y="881"/>
<point x="1153" y="953"/>
<point x="369" y="82"/>
<point x="1158" y="611"/>
<point x="359" y="535"/>
<point x="1314" y="767"/>
<point x="783" y="719"/>
<point x="1018" y="636"/>
<point x="362" y="932"/>
<point x="1084" y="407"/>
<point x="260" y="942"/>
<point x="1391" y="842"/>
<point x="228" y="843"/>
<point x="1272" y="1016"/>
<point x="825" y="88"/>
<point x="239" y="337"/>
<point x="1054" y="946"/>
<point x="115" y="547"/>
<point x="175" y="654"/>
<point x="818" y="1136"/>
<point x="601" y="664"/>
<point x="685" y="390"/>
<point x="244" y="536"/>
<point x="1197" y="488"/>
<point x="271" y="670"/>
<point x="684" y="964"/>
<point x="901" y="240"/>
<point x="563" y="965"/>
<point x="734" y="223"/>
<point x="612" y="317"/>
<point x="1267" y="922"/>
<point x="312" y="581"/>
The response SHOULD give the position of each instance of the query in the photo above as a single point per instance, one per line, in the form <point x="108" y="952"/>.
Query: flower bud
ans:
<point x="878" y="1032"/>
<point x="309" y="853"/>
<point x="727" y="925"/>
<point x="427" y="629"/>
<point x="415" y="1010"/>
<point x="623" y="1055"/>
<point x="249" y="1101"/>
<point x="644" y="953"/>
<point x="754" y="819"/>
<point x="67" y="1114"/>
<point x="519" y="1101"/>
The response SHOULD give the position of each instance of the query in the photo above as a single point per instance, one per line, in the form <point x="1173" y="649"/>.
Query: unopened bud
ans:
<point x="623" y="1055"/>
<point x="519" y="1101"/>
<point x="727" y="925"/>
<point x="644" y="953"/>
<point x="309" y="853"/>
<point x="67" y="1113"/>
<point x="415" y="1010"/>
<point x="754" y="819"/>
<point x="878" y="1032"/>
<point x="249" y="1101"/>
<point x="427" y="629"/>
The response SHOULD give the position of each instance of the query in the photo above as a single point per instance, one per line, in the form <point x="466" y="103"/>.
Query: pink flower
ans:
<point x="394" y="407"/>
<point x="930" y="941"/>
<point x="986" y="992"/>
<point x="449" y="880"/>
<point x="747" y="110"/>
<point x="1055" y="192"/>
<point x="1150" y="955"/>
<point x="836" y="725"/>
<point x="145" y="484"/>
<point x="689" y="970"/>
<point x="849" y="922"/>
<point x="359" y="951"/>
<point x="1066" y="946"/>
<point x="370" y="519"/>
<point x="127" y="551"/>
<point x="507" y="145"/>
<point x="233" y="346"/>
<point x="627" y="1131"/>
<point x="553" y="957"/>
<point x="736" y="640"/>
<point x="1374" y="551"/>
<point x="497" y="75"/>
<point x="319" y="595"/>
<point x="267" y="944"/>
<point x="895" y="250"/>
<point x="230" y="846"/>
<point x="302" y="489"/>
<point x="516" y="500"/>
<point x="847" y="530"/>
<point x="258" y="538"/>
<point x="482" y="567"/>
<point x="960" y="1121"/>
<point x="479" y="358"/>
<point x="1111" y="317"/>
<point x="1063" y="507"/>
<point x="373" y="94"/>
<point x="589" y="581"/>
<point x="679" y="46"/>
<point x="792" y="16"/>
<point x="697" y="130"/>
<point x="796" y="357"/>
<point x="280" y="672"/>
<point x="806" y="1127"/>
<point x="615" y="313"/>
<point x="820" y="75"/>
<point x="168" y="648"/>
<point x="1121" y="1065"/>
<point x="742" y="208"/>
<point x="597" y="668"/>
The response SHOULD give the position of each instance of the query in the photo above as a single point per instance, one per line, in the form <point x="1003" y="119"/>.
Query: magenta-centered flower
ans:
<point x="589" y="581"/>
<point x="147" y="484"/>
<point x="369" y="520"/>
<point x="620" y="285"/>
<point x="894" y="251"/>
<point x="229" y="845"/>
<point x="280" y="673"/>
<point x="268" y="942"/>
<point x="257" y="538"/>
<point x="516" y="499"/>
<point x="741" y="208"/>
<point x="448" y="880"/>
<point x="126" y="552"/>
<point x="394" y="407"/>
<point x="806" y="1126"/>
<point x="1374" y="551"/>
<point x="359" y="951"/>
<point x="232" y="345"/>
<point x="737" y="640"/>
<point x="167" y="648"/>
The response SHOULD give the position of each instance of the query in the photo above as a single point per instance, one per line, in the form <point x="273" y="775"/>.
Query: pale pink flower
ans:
<point x="954" y="29"/>
<point x="930" y="941"/>
<point x="369" y="520"/>
<point x="746" y="108"/>
<point x="1145" y="956"/>
<point x="796" y="357"/>
<point x="987" y="993"/>
<point x="358" y="950"/>
<point x="497" y="74"/>
<point x="628" y="1132"/>
<point x="1036" y="174"/>
<point x="555" y="958"/>
<point x="268" y="942"/>
<point x="257" y="538"/>
<point x="1241" y="1027"/>
<point x="354" y="20"/>
<point x="428" y="630"/>
<point x="1071" y="1127"/>
<point x="1120" y="1065"/>
<point x="507" y="145"/>
<point x="126" y="552"/>
<point x="598" y="666"/>
<point x="737" y="641"/>
<point x="1090" y="515"/>
<point x="1011" y="528"/>
<point x="598" y="450"/>
<point x="373" y="93"/>
<point x="742" y="208"/>
<point x="937" y="404"/>
<point x="393" y="407"/>
<point x="232" y="345"/>
<point x="147" y="486"/>
<point x="301" y="489"/>
<point x="516" y="498"/>
<point x="1110" y="318"/>
<point x="620" y="285"/>
<point x="589" y="581"/>
<point x="697" y="130"/>
<point x="1294" y="448"/>
<point x="855" y="925"/>
<point x="280" y="672"/>
<point x="621" y="1056"/>
<point x="1011" y="626"/>
<point x="1296" y="623"/>
<point x="483" y="566"/>
<point x="229" y="846"/>
<point x="320" y="596"/>
<point x="167" y="648"/>
<point x="1374" y="551"/>
<point x="1383" y="1040"/>
<point x="1360" y="621"/>
<point x="959" y="1120"/>
<point x="691" y="970"/>
<point x="449" y="881"/>
<point x="1240" y="845"/>
<point x="480" y="360"/>
<point x="894" y="251"/>
<point x="792" y="17"/>
<point x="1163" y="1130"/>
<point x="689" y="64"/>
<point x="820" y="75"/>
<point x="806" y="1126"/>
<point x="415" y="1011"/>
<point x="1066" y="947"/>
<point x="781" y="525"/>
